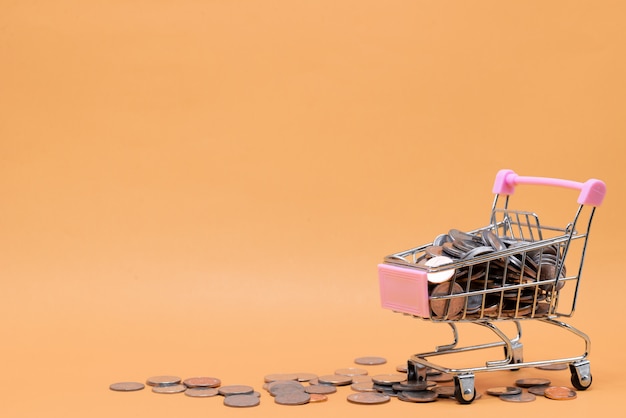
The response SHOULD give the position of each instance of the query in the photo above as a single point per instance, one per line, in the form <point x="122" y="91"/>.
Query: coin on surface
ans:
<point x="504" y="390"/>
<point x="202" y="382"/>
<point x="453" y="306"/>
<point x="320" y="389"/>
<point x="163" y="380"/>
<point x="528" y="382"/>
<point x="236" y="390"/>
<point x="417" y="396"/>
<point x="201" y="392"/>
<point x="370" y="360"/>
<point x="402" y="368"/>
<point x="335" y="380"/>
<point x="318" y="397"/>
<point x="412" y="385"/>
<point x="538" y="390"/>
<point x="368" y="398"/>
<point x="169" y="389"/>
<point x="444" y="391"/>
<point x="388" y="379"/>
<point x="241" y="401"/>
<point x="351" y="371"/>
<point x="280" y="376"/>
<point x="293" y="398"/>
<point x="560" y="393"/>
<point x="306" y="377"/>
<point x="518" y="397"/>
<point x="281" y="388"/>
<point x="126" y="386"/>
<point x="363" y="387"/>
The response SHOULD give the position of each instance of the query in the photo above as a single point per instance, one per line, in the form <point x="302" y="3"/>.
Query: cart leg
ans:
<point x="415" y="372"/>
<point x="581" y="374"/>
<point x="464" y="390"/>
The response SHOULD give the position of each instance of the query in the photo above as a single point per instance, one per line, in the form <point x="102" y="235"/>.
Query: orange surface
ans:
<point x="206" y="188"/>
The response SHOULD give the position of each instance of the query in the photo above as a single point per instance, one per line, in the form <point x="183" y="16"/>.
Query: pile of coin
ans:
<point x="533" y="387"/>
<point x="522" y="283"/>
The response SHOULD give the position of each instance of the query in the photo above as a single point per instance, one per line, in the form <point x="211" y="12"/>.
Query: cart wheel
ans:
<point x="464" y="390"/>
<point x="581" y="375"/>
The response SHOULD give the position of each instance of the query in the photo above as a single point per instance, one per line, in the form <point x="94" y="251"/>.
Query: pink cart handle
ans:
<point x="591" y="192"/>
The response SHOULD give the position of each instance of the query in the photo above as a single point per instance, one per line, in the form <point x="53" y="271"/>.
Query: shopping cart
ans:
<point x="512" y="270"/>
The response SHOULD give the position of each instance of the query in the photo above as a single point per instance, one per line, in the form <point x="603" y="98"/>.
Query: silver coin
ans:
<point x="538" y="390"/>
<point x="306" y="377"/>
<point x="293" y="398"/>
<point x="388" y="379"/>
<point x="126" y="386"/>
<point x="201" y="392"/>
<point x="280" y="376"/>
<point x="368" y="398"/>
<point x="163" y="380"/>
<point x="504" y="390"/>
<point x="169" y="389"/>
<point x="363" y="387"/>
<point x="518" y="397"/>
<point x="285" y="388"/>
<point x="556" y="366"/>
<point x="241" y="401"/>
<point x="528" y="382"/>
<point x="444" y="391"/>
<point x="320" y="389"/>
<point x="351" y="371"/>
<point x="412" y="386"/>
<point x="417" y="396"/>
<point x="335" y="380"/>
<point x="370" y="360"/>
<point x="236" y="390"/>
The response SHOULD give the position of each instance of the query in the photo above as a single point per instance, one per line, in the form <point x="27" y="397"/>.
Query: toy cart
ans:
<point x="512" y="270"/>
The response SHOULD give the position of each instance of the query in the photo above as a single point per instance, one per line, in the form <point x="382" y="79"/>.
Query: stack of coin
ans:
<point x="517" y="285"/>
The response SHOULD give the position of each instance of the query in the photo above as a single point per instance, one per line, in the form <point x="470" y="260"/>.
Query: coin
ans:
<point x="351" y="371"/>
<point x="528" y="382"/>
<point x="439" y="276"/>
<point x="281" y="388"/>
<point x="335" y="380"/>
<point x="359" y="379"/>
<point x="204" y="382"/>
<point x="388" y="379"/>
<point x="504" y="390"/>
<point x="280" y="376"/>
<point x="417" y="396"/>
<point x="163" y="380"/>
<point x="452" y="306"/>
<point x="320" y="389"/>
<point x="538" y="390"/>
<point x="232" y="390"/>
<point x="412" y="386"/>
<point x="126" y="386"/>
<point x="306" y="377"/>
<point x="370" y="361"/>
<point x="402" y="368"/>
<point x="444" y="391"/>
<point x="559" y="393"/>
<point x="169" y="389"/>
<point x="241" y="401"/>
<point x="201" y="392"/>
<point x="362" y="387"/>
<point x="293" y="398"/>
<point x="318" y="397"/>
<point x="518" y="397"/>
<point x="368" y="398"/>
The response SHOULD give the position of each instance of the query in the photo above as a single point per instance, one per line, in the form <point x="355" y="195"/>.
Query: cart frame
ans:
<point x="530" y="284"/>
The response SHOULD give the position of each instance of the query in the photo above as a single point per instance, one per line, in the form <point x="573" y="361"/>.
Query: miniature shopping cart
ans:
<point x="512" y="270"/>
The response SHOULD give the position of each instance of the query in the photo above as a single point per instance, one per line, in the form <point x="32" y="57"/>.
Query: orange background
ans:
<point x="206" y="187"/>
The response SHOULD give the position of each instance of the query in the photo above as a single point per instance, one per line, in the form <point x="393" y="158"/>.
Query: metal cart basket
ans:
<point x="512" y="270"/>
